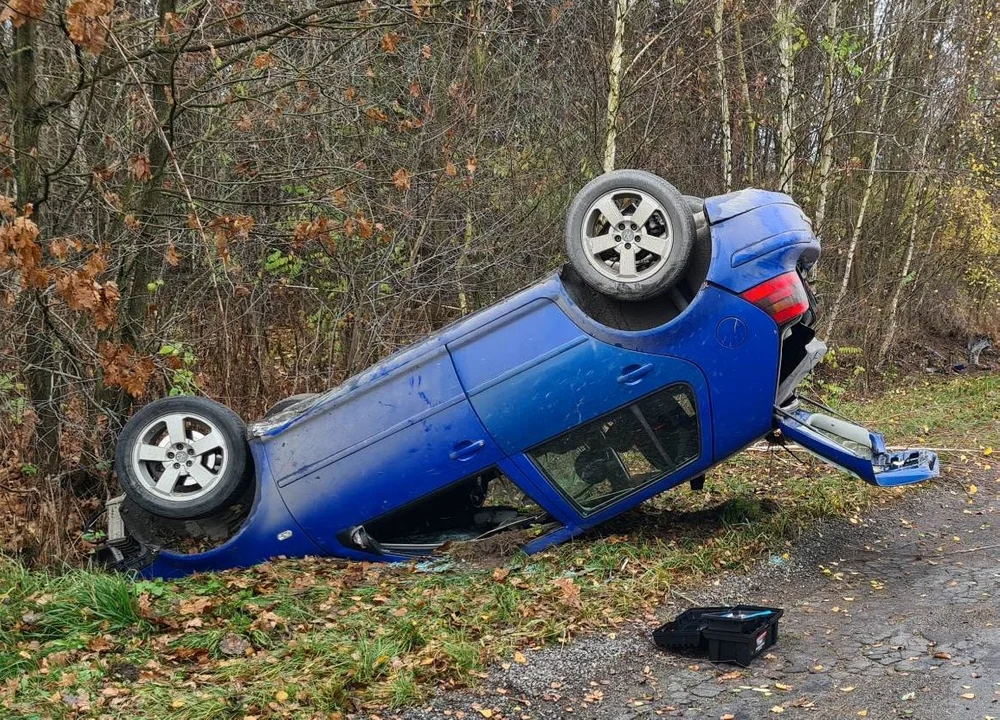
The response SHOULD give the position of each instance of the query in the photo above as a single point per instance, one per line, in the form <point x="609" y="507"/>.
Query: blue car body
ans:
<point x="485" y="393"/>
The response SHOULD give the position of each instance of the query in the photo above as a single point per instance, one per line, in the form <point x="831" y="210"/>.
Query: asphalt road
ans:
<point x="904" y="623"/>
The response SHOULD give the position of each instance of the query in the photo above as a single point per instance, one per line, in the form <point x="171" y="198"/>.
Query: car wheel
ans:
<point x="286" y="403"/>
<point x="184" y="458"/>
<point x="629" y="234"/>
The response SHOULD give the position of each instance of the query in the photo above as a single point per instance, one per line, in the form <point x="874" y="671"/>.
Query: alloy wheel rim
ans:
<point x="627" y="235"/>
<point x="180" y="456"/>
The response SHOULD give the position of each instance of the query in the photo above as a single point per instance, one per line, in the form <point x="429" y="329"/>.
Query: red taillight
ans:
<point x="783" y="298"/>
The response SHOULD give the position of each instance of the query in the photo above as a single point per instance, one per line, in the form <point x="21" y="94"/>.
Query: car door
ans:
<point x="395" y="439"/>
<point x="534" y="376"/>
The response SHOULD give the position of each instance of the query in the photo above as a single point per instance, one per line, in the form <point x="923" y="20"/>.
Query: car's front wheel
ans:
<point x="629" y="234"/>
<point x="184" y="458"/>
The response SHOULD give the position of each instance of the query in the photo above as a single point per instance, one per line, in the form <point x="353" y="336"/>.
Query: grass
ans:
<point x="320" y="638"/>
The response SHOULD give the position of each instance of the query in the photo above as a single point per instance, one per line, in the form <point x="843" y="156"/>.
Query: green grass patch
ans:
<point x="318" y="637"/>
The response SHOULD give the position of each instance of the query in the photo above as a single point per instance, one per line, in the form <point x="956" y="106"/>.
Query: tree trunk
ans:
<point x="727" y="132"/>
<point x="785" y="17"/>
<point x="41" y="350"/>
<point x="890" y="330"/>
<point x="826" y="128"/>
<point x="865" y="197"/>
<point x="751" y="122"/>
<point x="614" y="86"/>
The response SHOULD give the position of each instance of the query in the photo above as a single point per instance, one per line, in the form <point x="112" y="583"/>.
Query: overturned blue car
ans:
<point x="675" y="336"/>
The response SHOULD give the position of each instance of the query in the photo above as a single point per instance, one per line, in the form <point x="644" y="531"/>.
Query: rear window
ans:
<point x="608" y="459"/>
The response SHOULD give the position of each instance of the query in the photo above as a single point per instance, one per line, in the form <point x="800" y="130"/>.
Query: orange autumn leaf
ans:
<point x="401" y="179"/>
<point x="390" y="41"/>
<point x="172" y="257"/>
<point x="139" y="168"/>
<point x="264" y="60"/>
<point x="125" y="368"/>
<point x="88" y="22"/>
<point x="18" y="12"/>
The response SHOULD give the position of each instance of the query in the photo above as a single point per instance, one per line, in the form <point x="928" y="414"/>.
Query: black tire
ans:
<point x="204" y="482"/>
<point x="287" y="403"/>
<point x="605" y="272"/>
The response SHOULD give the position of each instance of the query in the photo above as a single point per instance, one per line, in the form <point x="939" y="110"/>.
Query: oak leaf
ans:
<point x="569" y="592"/>
<point x="390" y="41"/>
<point x="401" y="179"/>
<point x="139" y="168"/>
<point x="18" y="12"/>
<point x="88" y="22"/>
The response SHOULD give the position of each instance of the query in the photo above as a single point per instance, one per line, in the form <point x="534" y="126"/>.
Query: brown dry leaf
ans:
<point x="732" y="675"/>
<point x="7" y="207"/>
<point x="18" y="12"/>
<point x="88" y="22"/>
<point x="376" y="114"/>
<point x="263" y="61"/>
<point x="940" y="655"/>
<point x="570" y="593"/>
<point x="124" y="368"/>
<point x="471" y="164"/>
<point x="172" y="257"/>
<point x="450" y="170"/>
<point x="139" y="168"/>
<point x="401" y="179"/>
<point x="500" y="574"/>
<point x="390" y="41"/>
<point x="425" y="52"/>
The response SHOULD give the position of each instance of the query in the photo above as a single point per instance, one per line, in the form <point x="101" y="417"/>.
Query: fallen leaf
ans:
<point x="520" y="658"/>
<point x="177" y="703"/>
<point x="942" y="655"/>
<point x="281" y="696"/>
<point x="777" y="709"/>
<point x="782" y="686"/>
<point x="727" y="716"/>
<point x="486" y="712"/>
<point x="988" y="451"/>
<point x="969" y="696"/>
<point x="863" y="713"/>
<point x="849" y="688"/>
<point x="401" y="179"/>
<point x="973" y="489"/>
<point x="908" y="696"/>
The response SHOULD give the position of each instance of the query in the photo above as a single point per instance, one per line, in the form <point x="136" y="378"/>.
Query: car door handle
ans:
<point x="466" y="449"/>
<point x="634" y="373"/>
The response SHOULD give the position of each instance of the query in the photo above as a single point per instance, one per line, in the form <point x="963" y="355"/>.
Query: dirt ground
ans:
<point x="902" y="623"/>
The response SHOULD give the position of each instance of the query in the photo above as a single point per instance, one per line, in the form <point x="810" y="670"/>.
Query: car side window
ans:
<point x="607" y="459"/>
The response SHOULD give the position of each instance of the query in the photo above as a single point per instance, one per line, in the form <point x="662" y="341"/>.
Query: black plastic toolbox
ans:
<point x="735" y="634"/>
<point x="684" y="631"/>
<point x="741" y="633"/>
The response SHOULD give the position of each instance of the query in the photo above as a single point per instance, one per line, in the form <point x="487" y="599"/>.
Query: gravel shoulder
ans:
<point x="892" y="616"/>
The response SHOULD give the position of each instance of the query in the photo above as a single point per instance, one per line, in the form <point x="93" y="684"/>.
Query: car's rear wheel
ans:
<point x="629" y="234"/>
<point x="184" y="458"/>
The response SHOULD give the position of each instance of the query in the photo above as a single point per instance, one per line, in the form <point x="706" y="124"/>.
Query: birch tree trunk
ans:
<point x="865" y="197"/>
<point x="784" y="14"/>
<point x="921" y="183"/>
<point x="751" y="122"/>
<point x="614" y="86"/>
<point x="826" y="128"/>
<point x="727" y="131"/>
